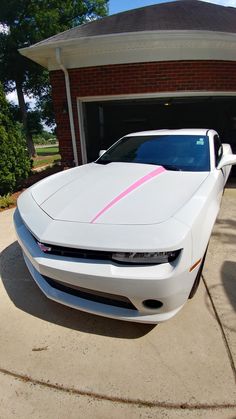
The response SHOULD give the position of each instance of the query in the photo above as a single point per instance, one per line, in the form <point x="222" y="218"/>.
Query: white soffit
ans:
<point x="136" y="47"/>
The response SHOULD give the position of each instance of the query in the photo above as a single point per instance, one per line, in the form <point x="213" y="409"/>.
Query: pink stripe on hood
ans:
<point x="131" y="188"/>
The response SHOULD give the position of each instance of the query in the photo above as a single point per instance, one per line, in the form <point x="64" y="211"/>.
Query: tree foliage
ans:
<point x="14" y="160"/>
<point x="26" y="22"/>
<point x="30" y="21"/>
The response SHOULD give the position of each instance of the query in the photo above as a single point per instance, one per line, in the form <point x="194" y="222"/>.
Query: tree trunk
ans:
<point x="22" y="106"/>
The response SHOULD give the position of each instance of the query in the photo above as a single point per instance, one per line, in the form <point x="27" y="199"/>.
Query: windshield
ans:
<point x="173" y="152"/>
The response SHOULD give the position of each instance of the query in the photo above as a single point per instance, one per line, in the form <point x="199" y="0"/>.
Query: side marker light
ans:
<point x="195" y="265"/>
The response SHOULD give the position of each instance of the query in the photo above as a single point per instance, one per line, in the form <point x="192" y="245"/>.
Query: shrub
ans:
<point x="6" y="201"/>
<point x="14" y="160"/>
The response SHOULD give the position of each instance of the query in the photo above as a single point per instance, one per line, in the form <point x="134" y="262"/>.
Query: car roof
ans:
<point x="186" y="131"/>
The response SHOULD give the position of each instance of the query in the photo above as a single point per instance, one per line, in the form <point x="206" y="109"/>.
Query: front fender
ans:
<point x="200" y="213"/>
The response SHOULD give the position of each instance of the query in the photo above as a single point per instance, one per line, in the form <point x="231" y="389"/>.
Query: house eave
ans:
<point x="135" y="47"/>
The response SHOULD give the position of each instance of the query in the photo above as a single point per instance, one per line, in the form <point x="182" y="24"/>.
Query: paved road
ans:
<point x="56" y="362"/>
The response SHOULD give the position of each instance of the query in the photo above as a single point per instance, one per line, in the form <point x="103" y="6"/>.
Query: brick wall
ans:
<point x="134" y="78"/>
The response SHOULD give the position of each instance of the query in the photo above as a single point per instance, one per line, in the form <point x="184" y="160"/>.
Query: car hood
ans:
<point x="116" y="193"/>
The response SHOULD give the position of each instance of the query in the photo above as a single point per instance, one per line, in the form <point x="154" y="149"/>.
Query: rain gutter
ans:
<point x="69" y="103"/>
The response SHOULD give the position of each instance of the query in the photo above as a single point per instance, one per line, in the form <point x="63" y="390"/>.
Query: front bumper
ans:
<point x="168" y="283"/>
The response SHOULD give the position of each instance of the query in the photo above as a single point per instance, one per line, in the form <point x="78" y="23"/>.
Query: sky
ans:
<point x="116" y="6"/>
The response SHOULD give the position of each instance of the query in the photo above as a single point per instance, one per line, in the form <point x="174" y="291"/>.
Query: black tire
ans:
<point x="198" y="278"/>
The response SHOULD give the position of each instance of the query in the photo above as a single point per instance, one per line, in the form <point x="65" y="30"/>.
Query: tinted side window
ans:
<point x="218" y="149"/>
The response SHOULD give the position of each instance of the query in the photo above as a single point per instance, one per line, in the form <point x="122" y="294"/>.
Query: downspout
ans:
<point x="69" y="103"/>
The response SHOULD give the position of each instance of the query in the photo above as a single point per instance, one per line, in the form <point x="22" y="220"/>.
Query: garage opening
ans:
<point x="107" y="121"/>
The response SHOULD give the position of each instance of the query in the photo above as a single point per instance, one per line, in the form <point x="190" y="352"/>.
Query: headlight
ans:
<point x="145" y="258"/>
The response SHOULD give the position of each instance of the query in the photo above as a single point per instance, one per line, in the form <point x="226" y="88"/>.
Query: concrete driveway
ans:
<point x="56" y="362"/>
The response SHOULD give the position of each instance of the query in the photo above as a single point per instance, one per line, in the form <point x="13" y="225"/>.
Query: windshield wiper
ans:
<point x="166" y="166"/>
<point x="104" y="161"/>
<point x="170" y="167"/>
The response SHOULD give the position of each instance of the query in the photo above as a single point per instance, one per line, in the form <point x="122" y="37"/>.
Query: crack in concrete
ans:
<point x="116" y="399"/>
<point x="226" y="343"/>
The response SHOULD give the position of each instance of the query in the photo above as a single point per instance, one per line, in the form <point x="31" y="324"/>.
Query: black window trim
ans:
<point x="217" y="159"/>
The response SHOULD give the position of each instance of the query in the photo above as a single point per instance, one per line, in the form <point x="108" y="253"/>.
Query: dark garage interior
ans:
<point x="107" y="121"/>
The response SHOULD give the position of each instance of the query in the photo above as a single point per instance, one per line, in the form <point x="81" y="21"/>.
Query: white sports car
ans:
<point x="125" y="237"/>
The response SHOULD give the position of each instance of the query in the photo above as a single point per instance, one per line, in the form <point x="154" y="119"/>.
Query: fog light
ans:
<point x="152" y="304"/>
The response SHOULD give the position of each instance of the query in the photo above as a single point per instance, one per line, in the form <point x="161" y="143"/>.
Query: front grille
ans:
<point x="91" y="295"/>
<point x="77" y="253"/>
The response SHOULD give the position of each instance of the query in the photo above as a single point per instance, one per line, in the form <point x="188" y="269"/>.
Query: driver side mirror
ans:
<point x="101" y="152"/>
<point x="227" y="160"/>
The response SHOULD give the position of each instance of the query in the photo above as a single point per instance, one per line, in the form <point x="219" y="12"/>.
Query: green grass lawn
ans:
<point x="47" y="151"/>
<point x="46" y="156"/>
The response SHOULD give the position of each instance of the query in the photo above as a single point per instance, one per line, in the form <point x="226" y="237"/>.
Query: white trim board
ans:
<point x="155" y="95"/>
<point x="135" y="47"/>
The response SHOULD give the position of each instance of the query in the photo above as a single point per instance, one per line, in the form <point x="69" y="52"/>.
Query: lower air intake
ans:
<point x="91" y="295"/>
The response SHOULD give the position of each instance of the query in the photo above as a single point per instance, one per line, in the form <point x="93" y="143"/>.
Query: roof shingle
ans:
<point x="176" y="15"/>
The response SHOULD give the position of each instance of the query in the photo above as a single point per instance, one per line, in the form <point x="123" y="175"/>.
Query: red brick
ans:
<point x="134" y="78"/>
